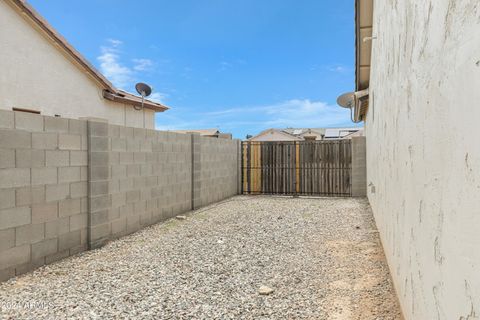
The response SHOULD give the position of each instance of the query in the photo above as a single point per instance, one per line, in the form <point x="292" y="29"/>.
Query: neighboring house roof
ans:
<point x="318" y="134"/>
<point x="358" y="133"/>
<point x="340" y="133"/>
<point x="110" y="92"/>
<point x="281" y="135"/>
<point x="303" y="131"/>
<point x="299" y="134"/>
<point x="202" y="132"/>
<point x="327" y="133"/>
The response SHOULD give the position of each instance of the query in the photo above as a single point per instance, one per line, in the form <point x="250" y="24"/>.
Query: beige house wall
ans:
<point x="423" y="153"/>
<point x="37" y="75"/>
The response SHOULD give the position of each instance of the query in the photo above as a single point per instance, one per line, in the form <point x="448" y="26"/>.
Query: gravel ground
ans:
<point x="321" y="257"/>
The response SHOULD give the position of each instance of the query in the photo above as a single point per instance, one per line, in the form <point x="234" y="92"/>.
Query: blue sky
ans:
<point x="238" y="65"/>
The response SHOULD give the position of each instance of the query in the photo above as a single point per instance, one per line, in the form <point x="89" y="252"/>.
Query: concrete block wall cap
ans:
<point x="54" y="124"/>
<point x="94" y="119"/>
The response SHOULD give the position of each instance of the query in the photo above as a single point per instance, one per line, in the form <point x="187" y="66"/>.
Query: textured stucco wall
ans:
<point x="423" y="153"/>
<point x="37" y="75"/>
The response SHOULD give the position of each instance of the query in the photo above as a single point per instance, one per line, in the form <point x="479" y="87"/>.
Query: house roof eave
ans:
<point x="110" y="92"/>
<point x="131" y="99"/>
<point x="363" y="45"/>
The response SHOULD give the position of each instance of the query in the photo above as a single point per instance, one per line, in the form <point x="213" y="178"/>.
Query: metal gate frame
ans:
<point x="314" y="168"/>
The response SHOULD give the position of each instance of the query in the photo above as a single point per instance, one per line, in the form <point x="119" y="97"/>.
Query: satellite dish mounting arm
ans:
<point x="144" y="90"/>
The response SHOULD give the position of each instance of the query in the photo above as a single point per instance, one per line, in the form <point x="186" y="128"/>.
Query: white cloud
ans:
<point x="115" y="42"/>
<point x="227" y="65"/>
<point x="224" y="66"/>
<point x="300" y="113"/>
<point x="143" y="64"/>
<point x="336" y="68"/>
<point x="158" y="97"/>
<point x="291" y="113"/>
<point x="339" y="69"/>
<point x="122" y="75"/>
<point x="111" y="66"/>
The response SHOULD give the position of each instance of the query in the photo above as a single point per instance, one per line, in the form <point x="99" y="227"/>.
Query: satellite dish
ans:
<point x="144" y="90"/>
<point x="346" y="100"/>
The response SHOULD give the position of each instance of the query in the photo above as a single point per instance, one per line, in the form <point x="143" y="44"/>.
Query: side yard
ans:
<point x="321" y="257"/>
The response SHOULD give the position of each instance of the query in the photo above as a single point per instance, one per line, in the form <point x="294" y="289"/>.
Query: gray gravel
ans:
<point x="321" y="258"/>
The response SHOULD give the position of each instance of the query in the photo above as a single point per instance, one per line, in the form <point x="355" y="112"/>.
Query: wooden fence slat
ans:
<point x="320" y="168"/>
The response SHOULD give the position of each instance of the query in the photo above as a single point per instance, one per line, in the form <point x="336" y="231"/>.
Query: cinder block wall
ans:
<point x="71" y="185"/>
<point x="137" y="178"/>
<point x="216" y="165"/>
<point x="359" y="167"/>
<point x="43" y="190"/>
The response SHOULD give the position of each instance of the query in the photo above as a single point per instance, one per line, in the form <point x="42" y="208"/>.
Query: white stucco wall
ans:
<point x="424" y="154"/>
<point x="34" y="74"/>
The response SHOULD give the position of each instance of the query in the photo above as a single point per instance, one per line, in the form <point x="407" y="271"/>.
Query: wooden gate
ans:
<point x="319" y="168"/>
